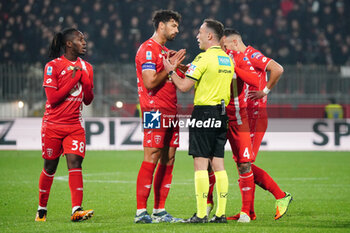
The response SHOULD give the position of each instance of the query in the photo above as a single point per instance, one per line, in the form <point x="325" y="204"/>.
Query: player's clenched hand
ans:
<point x="75" y="69"/>
<point x="179" y="56"/>
<point x="254" y="95"/>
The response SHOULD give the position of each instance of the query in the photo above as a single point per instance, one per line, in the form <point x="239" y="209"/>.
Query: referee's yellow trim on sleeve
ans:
<point x="192" y="78"/>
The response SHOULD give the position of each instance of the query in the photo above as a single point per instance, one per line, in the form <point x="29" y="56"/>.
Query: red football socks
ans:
<point x="144" y="184"/>
<point x="161" y="185"/>
<point x="76" y="186"/>
<point x="45" y="182"/>
<point x="246" y="185"/>
<point x="211" y="187"/>
<point x="264" y="180"/>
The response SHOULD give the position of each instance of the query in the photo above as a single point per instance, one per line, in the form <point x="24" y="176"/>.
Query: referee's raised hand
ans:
<point x="168" y="66"/>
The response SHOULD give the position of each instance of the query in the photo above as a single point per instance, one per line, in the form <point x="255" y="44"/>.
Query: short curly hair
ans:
<point x="165" y="16"/>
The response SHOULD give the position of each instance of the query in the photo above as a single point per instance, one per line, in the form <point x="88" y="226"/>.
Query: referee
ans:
<point x="211" y="72"/>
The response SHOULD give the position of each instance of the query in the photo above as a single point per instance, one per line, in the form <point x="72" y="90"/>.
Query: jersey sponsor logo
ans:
<point x="49" y="70"/>
<point x="224" y="61"/>
<point x="255" y="54"/>
<point x="76" y="90"/>
<point x="49" y="80"/>
<point x="148" y="66"/>
<point x="148" y="55"/>
<point x="225" y="71"/>
<point x="259" y="56"/>
<point x="151" y="120"/>
<point x="191" y="70"/>
<point x="264" y="59"/>
<point x="245" y="59"/>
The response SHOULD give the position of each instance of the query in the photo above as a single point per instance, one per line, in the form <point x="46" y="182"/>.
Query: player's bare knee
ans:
<point x="244" y="168"/>
<point x="50" y="170"/>
<point x="152" y="155"/>
<point x="50" y="166"/>
<point x="74" y="161"/>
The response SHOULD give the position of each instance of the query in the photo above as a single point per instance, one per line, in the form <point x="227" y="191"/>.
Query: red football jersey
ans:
<point x="236" y="109"/>
<point x="56" y="74"/>
<point x="150" y="57"/>
<point x="259" y="62"/>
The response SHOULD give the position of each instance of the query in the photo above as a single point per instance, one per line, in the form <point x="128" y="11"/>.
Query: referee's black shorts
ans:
<point x="209" y="141"/>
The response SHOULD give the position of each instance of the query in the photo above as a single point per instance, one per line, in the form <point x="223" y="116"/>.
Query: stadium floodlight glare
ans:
<point x="119" y="104"/>
<point x="20" y="104"/>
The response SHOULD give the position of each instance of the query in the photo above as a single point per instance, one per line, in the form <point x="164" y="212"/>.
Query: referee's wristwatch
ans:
<point x="171" y="72"/>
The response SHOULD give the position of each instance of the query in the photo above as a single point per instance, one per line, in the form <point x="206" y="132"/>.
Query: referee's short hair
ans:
<point x="216" y="26"/>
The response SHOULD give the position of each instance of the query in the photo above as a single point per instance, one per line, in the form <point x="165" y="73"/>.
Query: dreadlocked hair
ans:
<point x="59" y="42"/>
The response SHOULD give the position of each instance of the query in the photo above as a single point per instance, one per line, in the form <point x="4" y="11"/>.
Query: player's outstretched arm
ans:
<point x="183" y="85"/>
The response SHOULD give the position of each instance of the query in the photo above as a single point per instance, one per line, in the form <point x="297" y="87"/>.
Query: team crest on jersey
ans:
<point x="49" y="70"/>
<point x="49" y="152"/>
<point x="157" y="139"/>
<point x="148" y="55"/>
<point x="197" y="58"/>
<point x="163" y="52"/>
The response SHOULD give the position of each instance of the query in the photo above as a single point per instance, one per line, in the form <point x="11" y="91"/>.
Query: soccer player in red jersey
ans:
<point x="257" y="116"/>
<point x="157" y="95"/>
<point x="68" y="82"/>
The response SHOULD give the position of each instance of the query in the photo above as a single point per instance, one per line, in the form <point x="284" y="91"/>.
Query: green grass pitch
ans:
<point x="318" y="181"/>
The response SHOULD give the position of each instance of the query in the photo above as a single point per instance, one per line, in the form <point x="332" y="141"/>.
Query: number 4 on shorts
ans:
<point x="246" y="153"/>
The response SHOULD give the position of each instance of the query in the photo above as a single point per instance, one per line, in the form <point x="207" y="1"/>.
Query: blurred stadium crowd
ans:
<point x="291" y="31"/>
